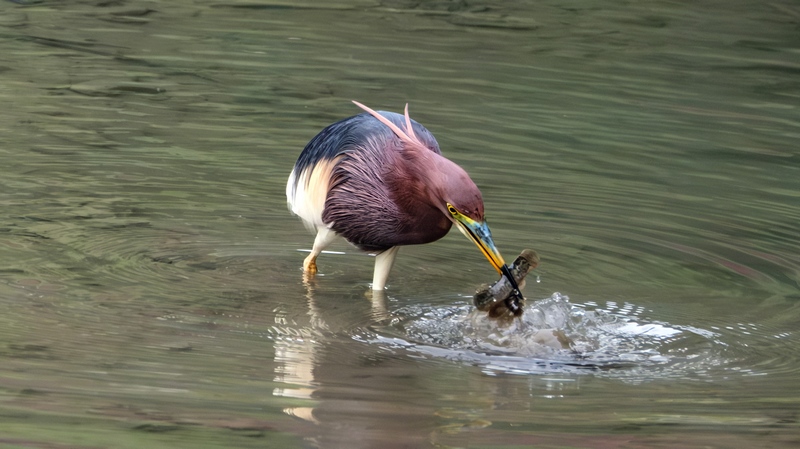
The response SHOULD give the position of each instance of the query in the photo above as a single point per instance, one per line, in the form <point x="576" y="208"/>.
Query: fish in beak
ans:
<point x="481" y="236"/>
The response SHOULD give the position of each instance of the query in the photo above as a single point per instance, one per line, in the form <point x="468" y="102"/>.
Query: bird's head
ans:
<point x="462" y="202"/>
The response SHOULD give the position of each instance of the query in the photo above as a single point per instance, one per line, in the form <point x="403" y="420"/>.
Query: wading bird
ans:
<point x="378" y="179"/>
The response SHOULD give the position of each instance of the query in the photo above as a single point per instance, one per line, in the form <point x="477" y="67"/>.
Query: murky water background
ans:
<point x="150" y="280"/>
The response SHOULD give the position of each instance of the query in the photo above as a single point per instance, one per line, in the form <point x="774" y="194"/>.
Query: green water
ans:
<point x="150" y="285"/>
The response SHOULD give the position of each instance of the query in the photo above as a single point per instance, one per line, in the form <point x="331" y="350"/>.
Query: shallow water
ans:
<point x="149" y="272"/>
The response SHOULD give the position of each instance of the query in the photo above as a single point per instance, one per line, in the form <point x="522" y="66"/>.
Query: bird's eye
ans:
<point x="451" y="209"/>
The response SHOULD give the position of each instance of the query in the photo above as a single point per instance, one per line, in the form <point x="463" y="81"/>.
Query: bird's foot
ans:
<point x="310" y="266"/>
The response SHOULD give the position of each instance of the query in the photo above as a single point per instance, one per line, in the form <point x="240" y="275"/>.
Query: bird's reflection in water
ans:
<point x="296" y="368"/>
<point x="295" y="357"/>
<point x="315" y="366"/>
<point x="371" y="395"/>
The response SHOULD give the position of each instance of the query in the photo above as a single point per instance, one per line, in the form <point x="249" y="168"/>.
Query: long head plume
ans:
<point x="407" y="135"/>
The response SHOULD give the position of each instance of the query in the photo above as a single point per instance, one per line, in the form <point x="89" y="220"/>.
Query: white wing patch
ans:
<point x="307" y="191"/>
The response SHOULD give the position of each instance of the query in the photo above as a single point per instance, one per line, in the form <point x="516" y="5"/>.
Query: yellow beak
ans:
<point x="480" y="234"/>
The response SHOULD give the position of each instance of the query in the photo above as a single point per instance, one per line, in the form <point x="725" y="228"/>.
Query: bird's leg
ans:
<point x="377" y="299"/>
<point x="383" y="265"/>
<point x="324" y="238"/>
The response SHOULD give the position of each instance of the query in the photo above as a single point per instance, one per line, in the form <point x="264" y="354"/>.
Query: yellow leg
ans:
<point x="324" y="238"/>
<point x="310" y="264"/>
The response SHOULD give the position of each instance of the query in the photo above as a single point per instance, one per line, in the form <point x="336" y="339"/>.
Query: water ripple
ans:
<point x="556" y="336"/>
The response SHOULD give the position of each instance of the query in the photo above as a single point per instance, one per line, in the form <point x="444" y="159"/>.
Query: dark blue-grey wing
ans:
<point x="346" y="135"/>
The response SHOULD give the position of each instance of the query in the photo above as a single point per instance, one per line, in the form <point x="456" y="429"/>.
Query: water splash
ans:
<point x="554" y="335"/>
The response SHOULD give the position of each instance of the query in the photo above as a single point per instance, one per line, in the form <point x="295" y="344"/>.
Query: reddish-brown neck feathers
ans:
<point x="446" y="182"/>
